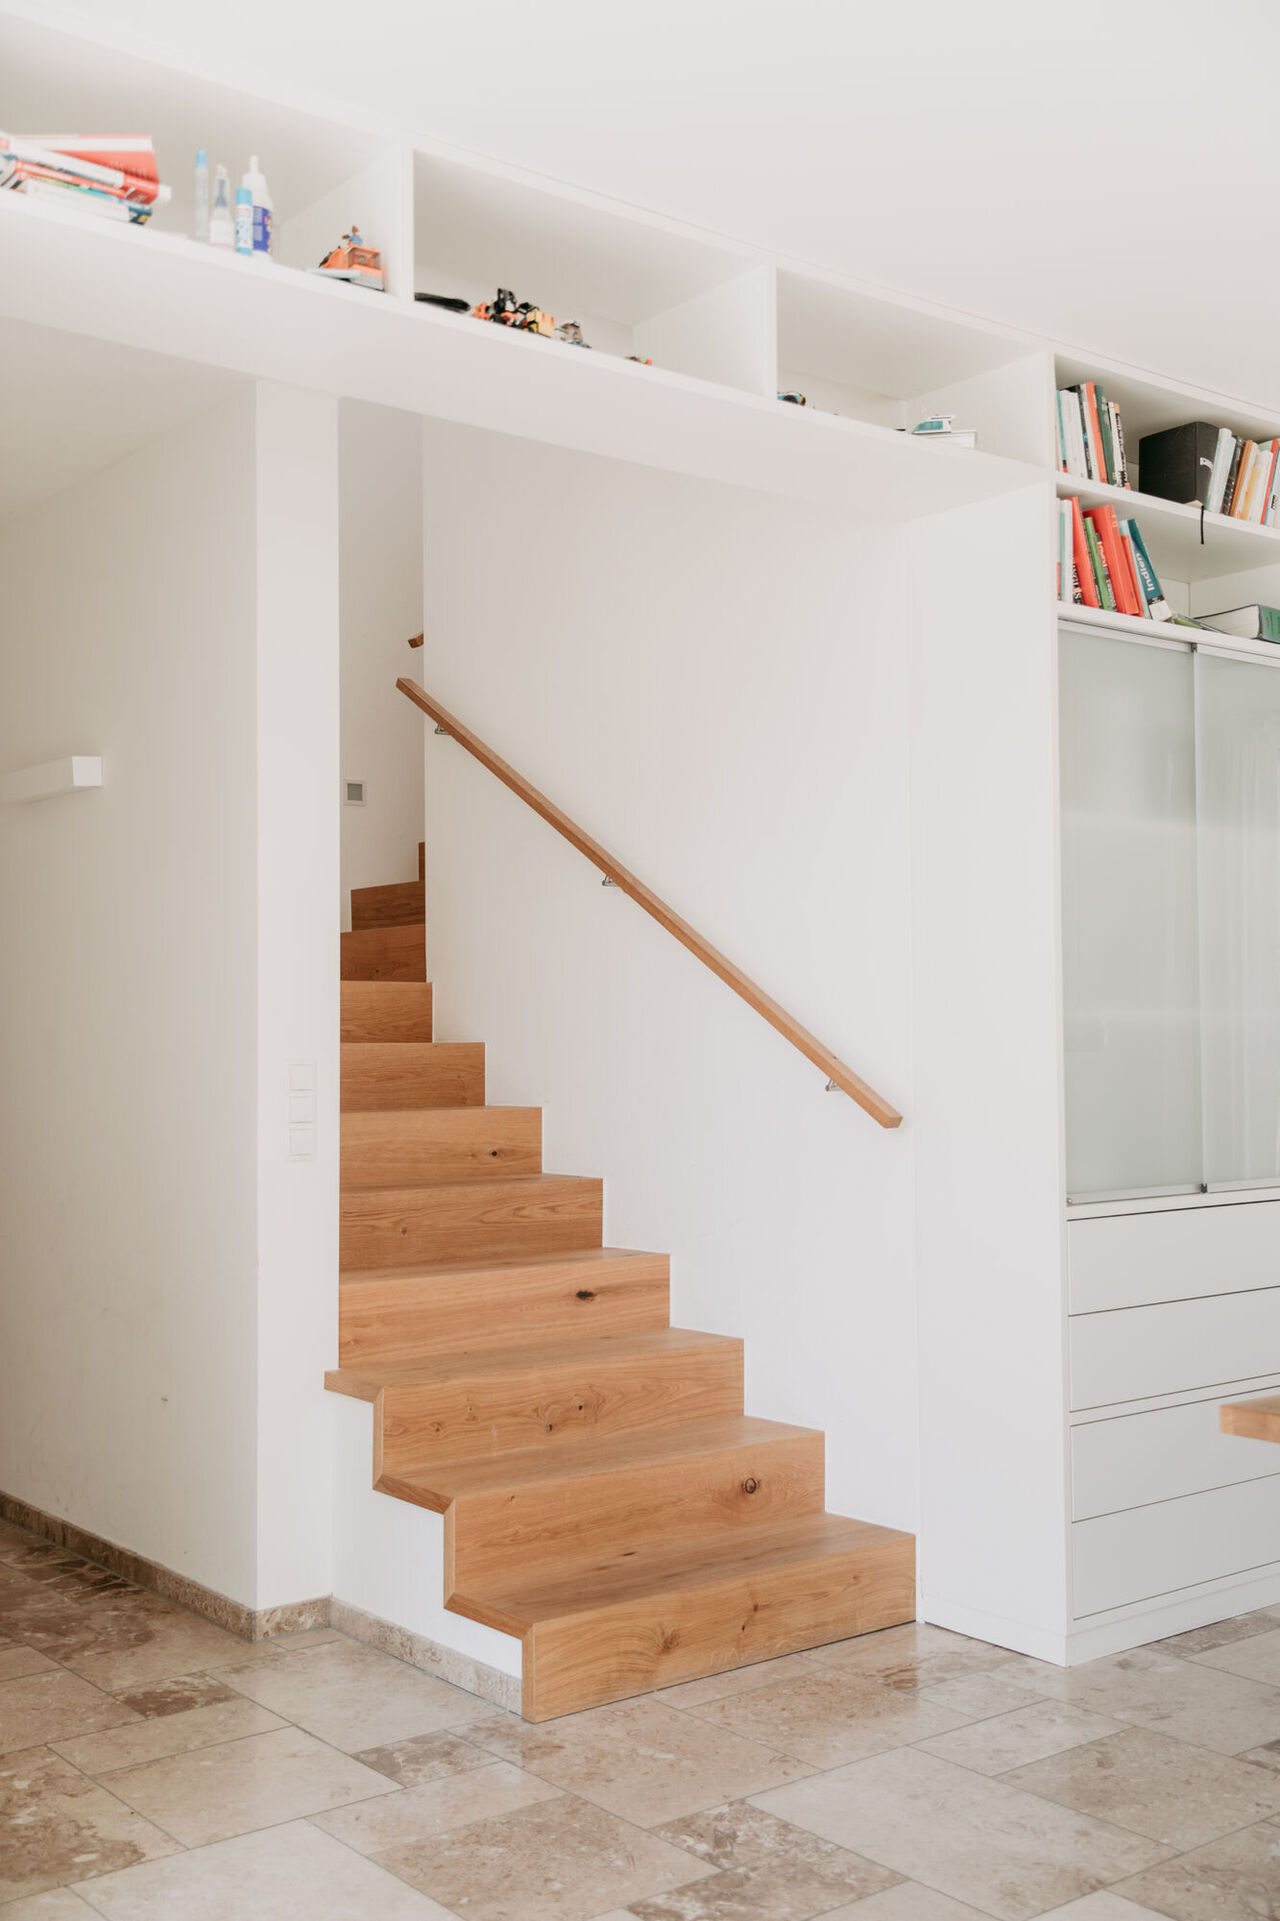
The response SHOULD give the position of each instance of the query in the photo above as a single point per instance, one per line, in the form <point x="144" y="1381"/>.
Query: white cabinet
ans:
<point x="1135" y="1460"/>
<point x="1138" y="1353"/>
<point x="1136" y="1260"/>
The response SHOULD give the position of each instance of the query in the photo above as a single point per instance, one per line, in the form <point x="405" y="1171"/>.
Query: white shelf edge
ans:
<point x="64" y="776"/>
<point x="1163" y="633"/>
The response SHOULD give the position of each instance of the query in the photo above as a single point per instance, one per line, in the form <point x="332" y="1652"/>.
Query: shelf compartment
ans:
<point x="54" y="82"/>
<point x="635" y="286"/>
<point x="894" y="362"/>
<point x="1172" y="533"/>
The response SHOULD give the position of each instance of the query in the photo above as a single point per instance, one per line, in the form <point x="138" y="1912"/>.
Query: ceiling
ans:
<point x="71" y="405"/>
<point x="1104" y="172"/>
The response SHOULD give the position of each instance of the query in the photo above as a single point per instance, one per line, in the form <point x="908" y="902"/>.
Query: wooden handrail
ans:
<point x="809" y="1045"/>
<point x="416" y="640"/>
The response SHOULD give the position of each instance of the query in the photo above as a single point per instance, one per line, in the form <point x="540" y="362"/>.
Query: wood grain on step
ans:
<point x="1255" y="1420"/>
<point x="386" y="1011"/>
<point x="385" y="1074"/>
<point x="398" y="905"/>
<point x="801" y="1586"/>
<point x="398" y="1314"/>
<point x="555" y="1396"/>
<point x="385" y="954"/>
<point x="407" y="1146"/>
<point x="470" y="1220"/>
<point x="643" y="1489"/>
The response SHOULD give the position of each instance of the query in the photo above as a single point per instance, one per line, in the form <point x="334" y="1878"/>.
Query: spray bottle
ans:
<point x="256" y="183"/>
<point x="202" y="195"/>
<point x="244" y="220"/>
<point x="222" y="231"/>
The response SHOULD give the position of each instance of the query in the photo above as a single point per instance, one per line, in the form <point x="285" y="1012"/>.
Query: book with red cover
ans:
<point x="121" y="165"/>
<point x="1084" y="565"/>
<point x="1131" y="568"/>
<point x="1128" y="599"/>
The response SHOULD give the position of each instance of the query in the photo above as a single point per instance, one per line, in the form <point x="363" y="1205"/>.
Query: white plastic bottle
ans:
<point x="222" y="232"/>
<point x="244" y="220"/>
<point x="202" y="195"/>
<point x="255" y="181"/>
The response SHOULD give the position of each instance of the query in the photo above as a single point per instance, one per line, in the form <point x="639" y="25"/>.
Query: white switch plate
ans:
<point x="302" y="1077"/>
<point x="302" y="1109"/>
<point x="302" y="1143"/>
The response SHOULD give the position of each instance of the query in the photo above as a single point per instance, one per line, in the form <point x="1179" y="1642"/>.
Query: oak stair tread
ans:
<point x="452" y="1270"/>
<point x="440" y="1482"/>
<point x="365" y="1382"/>
<point x="669" y="1567"/>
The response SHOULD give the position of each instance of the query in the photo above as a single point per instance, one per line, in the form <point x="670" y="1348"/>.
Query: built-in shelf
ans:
<point x="1164" y="633"/>
<point x="1172" y="532"/>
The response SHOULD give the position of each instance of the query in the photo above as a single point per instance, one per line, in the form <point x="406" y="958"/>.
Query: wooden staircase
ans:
<point x="605" y="1497"/>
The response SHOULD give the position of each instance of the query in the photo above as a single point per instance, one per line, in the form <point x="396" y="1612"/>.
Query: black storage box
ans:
<point x="1178" y="464"/>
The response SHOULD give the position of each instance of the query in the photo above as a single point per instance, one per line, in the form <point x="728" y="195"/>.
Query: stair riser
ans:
<point x="386" y="1011"/>
<point x="473" y="1221"/>
<point x="409" y="1147"/>
<point x="509" y="1533"/>
<point x="381" y="1075"/>
<point x="385" y="954"/>
<point x="397" y="1320"/>
<point x="628" y="1649"/>
<point x="399" y="905"/>
<point x="554" y="1406"/>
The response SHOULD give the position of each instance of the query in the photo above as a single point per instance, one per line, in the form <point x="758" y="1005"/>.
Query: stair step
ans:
<point x="386" y="1010"/>
<point x="514" y="1516"/>
<point x="554" y="1395"/>
<point x="391" y="1315"/>
<point x="407" y="1146"/>
<point x="385" y="954"/>
<point x="601" y="1629"/>
<point x="377" y="1075"/>
<point x="470" y="1221"/>
<point x="398" y="905"/>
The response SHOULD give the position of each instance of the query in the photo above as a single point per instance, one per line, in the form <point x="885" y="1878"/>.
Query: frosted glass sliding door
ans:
<point x="1128" y="783"/>
<point x="1238" y="798"/>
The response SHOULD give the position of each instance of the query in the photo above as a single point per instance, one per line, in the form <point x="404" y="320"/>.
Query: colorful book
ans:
<point x="1127" y="599"/>
<point x="1157" y="606"/>
<point x="1101" y="573"/>
<point x="1081" y="554"/>
<point x="1246" y="623"/>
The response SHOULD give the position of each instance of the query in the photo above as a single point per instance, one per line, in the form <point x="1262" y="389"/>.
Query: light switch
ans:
<point x="302" y="1108"/>
<point x="302" y="1143"/>
<point x="302" y="1077"/>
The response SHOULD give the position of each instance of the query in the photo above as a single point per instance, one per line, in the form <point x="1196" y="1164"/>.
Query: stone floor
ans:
<point x="154" y="1768"/>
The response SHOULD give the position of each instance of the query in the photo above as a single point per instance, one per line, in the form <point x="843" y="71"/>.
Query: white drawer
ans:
<point x="1130" y="1260"/>
<point x="1143" y="1351"/>
<point x="1138" y="1458"/>
<point x="1151" y="1551"/>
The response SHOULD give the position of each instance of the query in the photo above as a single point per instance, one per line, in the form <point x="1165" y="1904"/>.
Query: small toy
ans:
<point x="523" y="316"/>
<point x="641" y="360"/>
<point x="353" y="260"/>
<point x="935" y="424"/>
<point x="571" y="333"/>
<point x="797" y="400"/>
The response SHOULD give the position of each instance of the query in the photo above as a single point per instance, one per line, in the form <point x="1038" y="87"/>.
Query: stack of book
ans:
<point x="115" y="176"/>
<point x="1090" y="436"/>
<point x="1200" y="464"/>
<point x="1103" y="563"/>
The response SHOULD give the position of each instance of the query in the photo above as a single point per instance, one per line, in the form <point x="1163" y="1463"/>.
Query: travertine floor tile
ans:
<point x="1103" y="1906"/>
<point x="354" y="1697"/>
<point x="640" y="1759"/>
<point x="1157" y="1786"/>
<point x="715" y="1687"/>
<point x="977" y="1697"/>
<point x="1267" y="1756"/>
<point x="829" y="1718"/>
<point x="1234" y="1879"/>
<point x="914" y="1656"/>
<point x="137" y="1644"/>
<point x="1256" y="1657"/>
<point x="291" y="1873"/>
<point x="57" y="1826"/>
<point x="17" y="1660"/>
<point x="1221" y="1634"/>
<point x="213" y="1793"/>
<point x="767" y="1867"/>
<point x="425" y="1757"/>
<point x="59" y="1904"/>
<point x="908" y="1901"/>
<point x="141" y="1741"/>
<point x="1184" y="1698"/>
<point x="1013" y="1740"/>
<point x="982" y="1841"/>
<point x="50" y="1706"/>
<point x="417" y="1814"/>
<point x="176" y="1696"/>
<point x="561" y="1861"/>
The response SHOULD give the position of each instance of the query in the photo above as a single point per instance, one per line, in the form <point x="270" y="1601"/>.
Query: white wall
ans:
<point x="714" y="684"/>
<point x="127" y="963"/>
<point x="298" y="984"/>
<point x="381" y="602"/>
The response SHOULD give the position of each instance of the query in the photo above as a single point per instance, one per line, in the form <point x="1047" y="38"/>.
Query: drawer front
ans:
<point x="1132" y="1260"/>
<point x="1139" y="1458"/>
<point x="1143" y="1351"/>
<point x="1147" y="1552"/>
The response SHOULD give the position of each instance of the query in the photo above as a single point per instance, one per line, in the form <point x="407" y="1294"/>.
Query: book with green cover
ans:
<point x="1152" y="592"/>
<point x="1246" y="623"/>
<point x="1104" y="427"/>
<point x="1099" y="562"/>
